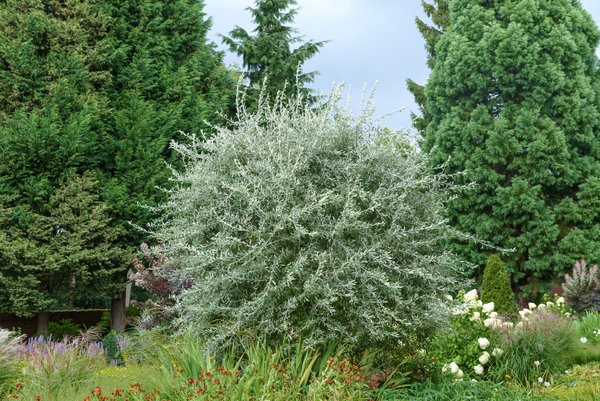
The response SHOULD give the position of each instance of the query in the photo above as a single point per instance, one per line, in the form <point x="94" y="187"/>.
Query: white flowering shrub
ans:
<point x="299" y="223"/>
<point x="468" y="347"/>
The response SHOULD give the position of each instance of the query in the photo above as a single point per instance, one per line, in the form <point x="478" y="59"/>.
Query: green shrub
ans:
<point x="112" y="350"/>
<point x="496" y="288"/>
<point x="298" y="223"/>
<point x="468" y="341"/>
<point x="66" y="327"/>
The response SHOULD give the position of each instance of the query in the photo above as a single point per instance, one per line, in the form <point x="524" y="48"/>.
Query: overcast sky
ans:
<point x="370" y="41"/>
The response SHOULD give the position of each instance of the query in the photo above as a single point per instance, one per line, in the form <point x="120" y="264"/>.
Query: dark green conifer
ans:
<point x="513" y="100"/>
<point x="269" y="53"/>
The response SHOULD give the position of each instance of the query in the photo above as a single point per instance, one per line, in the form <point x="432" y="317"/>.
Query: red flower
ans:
<point x="97" y="390"/>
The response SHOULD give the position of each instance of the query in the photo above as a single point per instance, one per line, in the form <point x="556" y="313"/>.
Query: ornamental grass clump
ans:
<point x="582" y="289"/>
<point x="298" y="223"/>
<point x="9" y="346"/>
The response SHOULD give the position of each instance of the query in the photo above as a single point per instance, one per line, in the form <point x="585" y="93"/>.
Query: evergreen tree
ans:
<point x="56" y="260"/>
<point x="166" y="78"/>
<point x="496" y="288"/>
<point x="104" y="87"/>
<point x="513" y="100"/>
<point x="439" y="12"/>
<point x="269" y="53"/>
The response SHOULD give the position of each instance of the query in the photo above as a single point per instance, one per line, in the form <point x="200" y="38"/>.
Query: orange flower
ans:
<point x="507" y="376"/>
<point x="97" y="390"/>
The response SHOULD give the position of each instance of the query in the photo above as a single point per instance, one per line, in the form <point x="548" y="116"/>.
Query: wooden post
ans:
<point x="117" y="313"/>
<point x="42" y="323"/>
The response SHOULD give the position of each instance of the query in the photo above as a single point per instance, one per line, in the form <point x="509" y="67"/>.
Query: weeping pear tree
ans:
<point x="301" y="222"/>
<point x="513" y="100"/>
<point x="269" y="55"/>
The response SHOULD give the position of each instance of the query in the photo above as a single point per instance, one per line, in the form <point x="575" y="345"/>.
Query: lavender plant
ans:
<point x="50" y="364"/>
<point x="582" y="289"/>
<point x="299" y="223"/>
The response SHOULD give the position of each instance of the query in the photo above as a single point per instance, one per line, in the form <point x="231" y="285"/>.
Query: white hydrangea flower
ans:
<point x="483" y="342"/>
<point x="493" y="315"/>
<point x="484" y="358"/>
<point x="476" y="316"/>
<point x="453" y="368"/>
<point x="471" y="296"/>
<point x="488" y="308"/>
<point x="460" y="374"/>
<point x="478" y="369"/>
<point x="497" y="352"/>
<point x="541" y="306"/>
<point x="532" y="306"/>
<point x="549" y="304"/>
<point x="560" y="300"/>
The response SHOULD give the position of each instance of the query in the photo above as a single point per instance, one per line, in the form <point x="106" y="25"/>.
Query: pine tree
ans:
<point x="513" y="100"/>
<point x="439" y="13"/>
<point x="269" y="54"/>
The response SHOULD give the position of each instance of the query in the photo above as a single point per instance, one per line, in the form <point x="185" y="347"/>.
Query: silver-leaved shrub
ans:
<point x="301" y="222"/>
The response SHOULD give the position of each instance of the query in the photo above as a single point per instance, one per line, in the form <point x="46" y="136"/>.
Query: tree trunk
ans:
<point x="117" y="313"/>
<point x="42" y="323"/>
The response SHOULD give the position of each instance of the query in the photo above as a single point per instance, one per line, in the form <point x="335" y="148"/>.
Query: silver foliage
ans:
<point x="298" y="222"/>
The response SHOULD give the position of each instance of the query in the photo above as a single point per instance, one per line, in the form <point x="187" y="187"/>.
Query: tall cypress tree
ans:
<point x="98" y="86"/>
<point x="166" y="78"/>
<point x="439" y="12"/>
<point x="269" y="53"/>
<point x="514" y="100"/>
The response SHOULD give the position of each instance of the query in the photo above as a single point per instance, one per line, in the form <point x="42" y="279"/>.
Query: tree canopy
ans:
<point x="269" y="53"/>
<point x="96" y="89"/>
